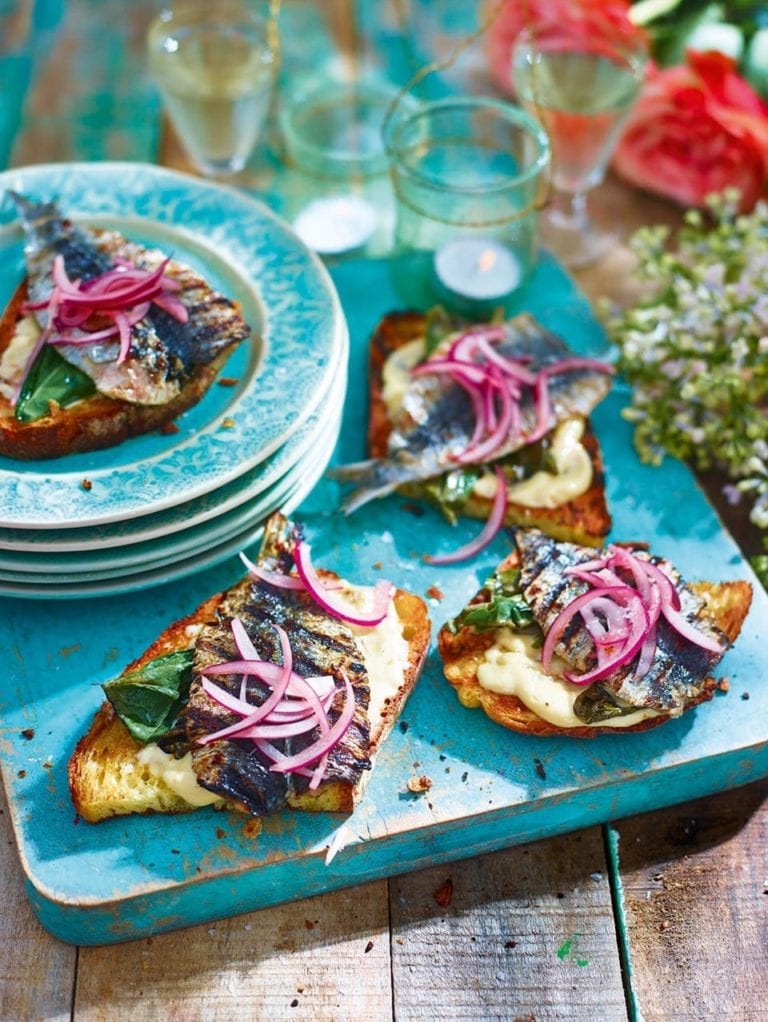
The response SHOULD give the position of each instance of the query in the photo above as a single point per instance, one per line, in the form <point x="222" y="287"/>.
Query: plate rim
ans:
<point x="231" y="503"/>
<point x="214" y="531"/>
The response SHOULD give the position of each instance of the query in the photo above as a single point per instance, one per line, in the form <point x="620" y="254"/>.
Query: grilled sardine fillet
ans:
<point x="499" y="668"/>
<point x="168" y="368"/>
<point x="109" y="778"/>
<point x="578" y="513"/>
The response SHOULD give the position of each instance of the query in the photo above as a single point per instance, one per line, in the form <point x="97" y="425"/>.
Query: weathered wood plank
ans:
<point x="91" y="98"/>
<point x="528" y="933"/>
<point x="37" y="971"/>
<point x="695" y="897"/>
<point x="323" y="959"/>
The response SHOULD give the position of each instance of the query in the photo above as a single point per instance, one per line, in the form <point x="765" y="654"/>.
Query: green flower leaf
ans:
<point x="149" y="700"/>
<point x="51" y="378"/>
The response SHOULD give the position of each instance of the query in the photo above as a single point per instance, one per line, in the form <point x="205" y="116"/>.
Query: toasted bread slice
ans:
<point x="585" y="519"/>
<point x="107" y="779"/>
<point x="727" y="603"/>
<point x="95" y="422"/>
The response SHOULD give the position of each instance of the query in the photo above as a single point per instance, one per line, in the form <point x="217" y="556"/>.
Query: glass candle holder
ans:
<point x="469" y="176"/>
<point x="338" y="193"/>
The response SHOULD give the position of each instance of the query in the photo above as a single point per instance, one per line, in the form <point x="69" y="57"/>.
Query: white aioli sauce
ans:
<point x="385" y="652"/>
<point x="176" y="774"/>
<point x="542" y="489"/>
<point x="512" y="667"/>
<point x="15" y="356"/>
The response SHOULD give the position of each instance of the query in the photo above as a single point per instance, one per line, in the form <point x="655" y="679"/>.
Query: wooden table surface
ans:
<point x="660" y="917"/>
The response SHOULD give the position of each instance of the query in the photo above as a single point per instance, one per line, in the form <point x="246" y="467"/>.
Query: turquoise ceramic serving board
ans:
<point x="128" y="878"/>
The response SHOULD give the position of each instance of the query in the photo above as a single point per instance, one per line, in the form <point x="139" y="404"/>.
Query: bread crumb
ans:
<point x="368" y="947"/>
<point x="419" y="784"/>
<point x="378" y="565"/>
<point x="252" y="828"/>
<point x="227" y="423"/>
<point x="28" y="733"/>
<point x="86" y="484"/>
<point x="723" y="685"/>
<point x="436" y="593"/>
<point x="228" y="381"/>
<point x="413" y="509"/>
<point x="444" y="894"/>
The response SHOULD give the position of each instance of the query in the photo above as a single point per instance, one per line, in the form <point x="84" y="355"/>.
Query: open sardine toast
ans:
<point x="418" y="426"/>
<point x="263" y="698"/>
<point x="567" y="640"/>
<point x="103" y="339"/>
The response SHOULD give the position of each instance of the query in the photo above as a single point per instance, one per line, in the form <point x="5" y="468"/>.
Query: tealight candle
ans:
<point x="479" y="269"/>
<point x="336" y="224"/>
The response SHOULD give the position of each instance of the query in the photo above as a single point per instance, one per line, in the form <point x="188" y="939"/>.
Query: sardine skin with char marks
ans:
<point x="164" y="352"/>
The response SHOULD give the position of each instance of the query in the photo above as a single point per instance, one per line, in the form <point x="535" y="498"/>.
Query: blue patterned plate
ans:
<point x="283" y="374"/>
<point x="108" y="583"/>
<point x="104" y="562"/>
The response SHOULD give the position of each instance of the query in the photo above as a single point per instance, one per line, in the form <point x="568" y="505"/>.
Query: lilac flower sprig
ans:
<point x="695" y="349"/>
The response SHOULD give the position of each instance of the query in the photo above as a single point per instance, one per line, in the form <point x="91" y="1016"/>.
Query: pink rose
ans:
<point x="571" y="22"/>
<point x="697" y="128"/>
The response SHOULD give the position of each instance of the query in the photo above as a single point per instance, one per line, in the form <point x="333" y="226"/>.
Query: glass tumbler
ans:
<point x="337" y="191"/>
<point x="469" y="175"/>
<point x="213" y="67"/>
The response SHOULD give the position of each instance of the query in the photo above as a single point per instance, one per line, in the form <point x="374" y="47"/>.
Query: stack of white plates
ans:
<point x="165" y="505"/>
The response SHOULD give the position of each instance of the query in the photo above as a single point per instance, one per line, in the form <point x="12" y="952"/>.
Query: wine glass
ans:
<point x="581" y="79"/>
<point x="213" y="66"/>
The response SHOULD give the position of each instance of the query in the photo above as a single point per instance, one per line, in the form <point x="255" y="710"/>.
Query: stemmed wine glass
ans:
<point x="580" y="78"/>
<point x="214" y="67"/>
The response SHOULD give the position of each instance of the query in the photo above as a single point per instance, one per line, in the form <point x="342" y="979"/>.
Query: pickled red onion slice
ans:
<point x="296" y="706"/>
<point x="489" y="531"/>
<point x="333" y="603"/>
<point x="621" y="617"/>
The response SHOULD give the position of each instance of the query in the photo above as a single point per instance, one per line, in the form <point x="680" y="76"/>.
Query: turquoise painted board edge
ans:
<point x="129" y="919"/>
<point x="127" y="878"/>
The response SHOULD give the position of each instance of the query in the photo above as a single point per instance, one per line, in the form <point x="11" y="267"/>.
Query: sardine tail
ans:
<point x="29" y="212"/>
<point x="370" y="479"/>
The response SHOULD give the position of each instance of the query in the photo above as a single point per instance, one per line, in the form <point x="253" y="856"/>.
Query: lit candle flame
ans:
<point x="486" y="260"/>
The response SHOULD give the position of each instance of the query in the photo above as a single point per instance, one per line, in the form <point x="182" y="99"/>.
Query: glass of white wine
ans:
<point x="580" y="79"/>
<point x="214" y="68"/>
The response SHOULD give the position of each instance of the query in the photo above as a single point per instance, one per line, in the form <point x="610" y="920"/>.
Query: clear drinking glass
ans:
<point x="469" y="174"/>
<point x="213" y="66"/>
<point x="337" y="189"/>
<point x="580" y="80"/>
